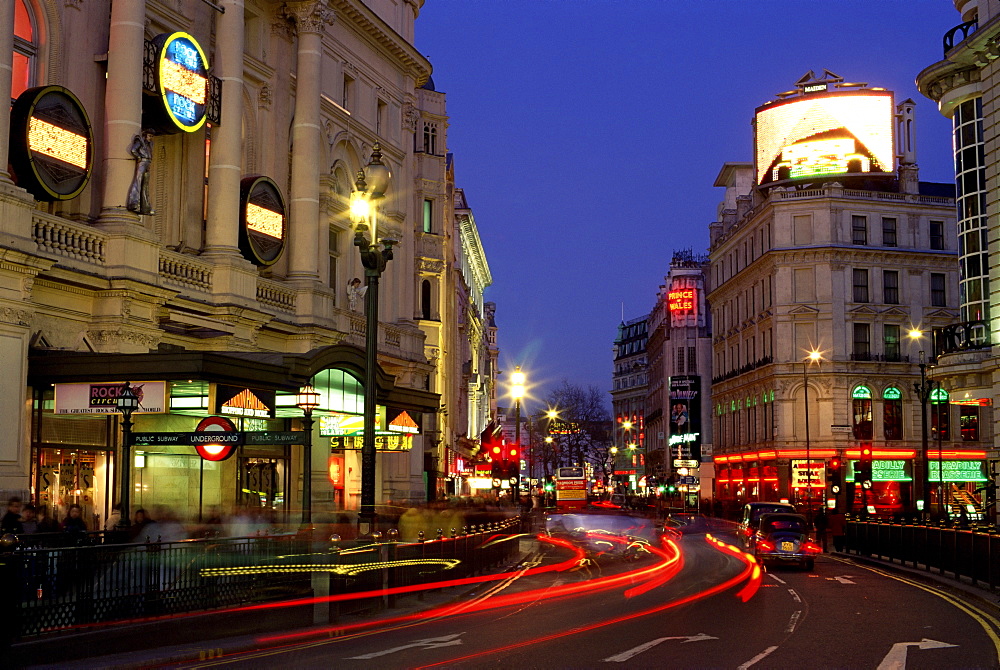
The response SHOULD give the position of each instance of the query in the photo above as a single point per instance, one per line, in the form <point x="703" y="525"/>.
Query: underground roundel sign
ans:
<point x="215" y="438"/>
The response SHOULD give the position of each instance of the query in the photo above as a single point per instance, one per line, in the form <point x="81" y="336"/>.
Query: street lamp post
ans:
<point x="517" y="391"/>
<point x="364" y="208"/>
<point x="126" y="403"/>
<point x="813" y="357"/>
<point x="307" y="400"/>
<point x="923" y="391"/>
<point x="943" y="496"/>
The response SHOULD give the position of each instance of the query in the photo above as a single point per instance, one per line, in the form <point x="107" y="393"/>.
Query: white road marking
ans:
<point x="429" y="643"/>
<point x="777" y="579"/>
<point x="793" y="621"/>
<point x="795" y="596"/>
<point x="896" y="658"/>
<point x="756" y="658"/>
<point x="843" y="579"/>
<point x="635" y="651"/>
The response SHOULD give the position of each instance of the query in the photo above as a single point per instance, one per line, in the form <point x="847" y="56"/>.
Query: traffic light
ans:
<point x="864" y="474"/>
<point x="512" y="459"/>
<point x="834" y="477"/>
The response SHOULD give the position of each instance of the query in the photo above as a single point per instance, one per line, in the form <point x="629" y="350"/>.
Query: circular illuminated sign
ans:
<point x="220" y="438"/>
<point x="263" y="224"/>
<point x="51" y="143"/>
<point x="182" y="81"/>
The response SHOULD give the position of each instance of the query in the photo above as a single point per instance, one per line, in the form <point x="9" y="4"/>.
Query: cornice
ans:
<point x="371" y="26"/>
<point x="962" y="63"/>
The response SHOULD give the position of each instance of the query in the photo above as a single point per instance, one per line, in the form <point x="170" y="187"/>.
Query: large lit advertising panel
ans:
<point x="685" y="416"/>
<point x="51" y="143"/>
<point x="825" y="134"/>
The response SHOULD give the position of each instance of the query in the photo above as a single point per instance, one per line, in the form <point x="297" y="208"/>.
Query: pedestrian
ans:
<point x="139" y="522"/>
<point x="11" y="522"/>
<point x="28" y="519"/>
<point x="820" y="523"/>
<point x="837" y="524"/>
<point x="46" y="524"/>
<point x="115" y="518"/>
<point x="74" y="522"/>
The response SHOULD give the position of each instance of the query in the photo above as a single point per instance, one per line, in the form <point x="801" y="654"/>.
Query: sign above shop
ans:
<point x="383" y="442"/>
<point x="51" y="143"/>
<point x="182" y="84"/>
<point x="263" y="225"/>
<point x="241" y="401"/>
<point x="100" y="398"/>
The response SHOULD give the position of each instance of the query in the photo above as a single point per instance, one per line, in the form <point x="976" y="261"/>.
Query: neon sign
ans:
<point x="262" y="233"/>
<point x="51" y="143"/>
<point x="182" y="76"/>
<point x="681" y="299"/>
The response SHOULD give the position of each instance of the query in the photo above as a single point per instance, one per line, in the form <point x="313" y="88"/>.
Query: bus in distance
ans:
<point x="571" y="488"/>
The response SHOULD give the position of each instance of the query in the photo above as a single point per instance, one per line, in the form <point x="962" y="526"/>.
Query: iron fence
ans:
<point x="86" y="586"/>
<point x="955" y="552"/>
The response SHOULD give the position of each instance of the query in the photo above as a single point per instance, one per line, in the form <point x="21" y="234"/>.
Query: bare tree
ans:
<point x="581" y="430"/>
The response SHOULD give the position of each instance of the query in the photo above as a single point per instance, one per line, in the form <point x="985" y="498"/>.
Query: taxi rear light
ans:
<point x="812" y="548"/>
<point x="764" y="545"/>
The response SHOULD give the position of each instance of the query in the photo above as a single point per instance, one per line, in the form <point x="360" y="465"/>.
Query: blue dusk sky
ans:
<point x="587" y="135"/>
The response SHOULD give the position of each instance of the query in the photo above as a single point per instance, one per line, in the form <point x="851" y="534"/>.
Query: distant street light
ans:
<point x="813" y="357"/>
<point x="127" y="402"/>
<point x="517" y="391"/>
<point x="307" y="400"/>
<point x="923" y="391"/>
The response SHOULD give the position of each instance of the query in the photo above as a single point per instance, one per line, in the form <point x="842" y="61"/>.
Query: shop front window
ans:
<point x="939" y="415"/>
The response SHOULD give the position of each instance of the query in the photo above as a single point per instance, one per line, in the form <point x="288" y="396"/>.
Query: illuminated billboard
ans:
<point x="815" y="136"/>
<point x="263" y="222"/>
<point x="181" y="75"/>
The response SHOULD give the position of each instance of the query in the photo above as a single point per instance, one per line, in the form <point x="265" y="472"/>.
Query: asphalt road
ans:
<point x="840" y="615"/>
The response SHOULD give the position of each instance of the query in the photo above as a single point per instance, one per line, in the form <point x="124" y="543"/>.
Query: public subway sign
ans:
<point x="51" y="143"/>
<point x="99" y="398"/>
<point x="263" y="224"/>
<point x="182" y="83"/>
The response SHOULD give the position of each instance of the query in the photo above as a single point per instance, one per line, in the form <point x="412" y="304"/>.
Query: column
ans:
<point x="311" y="18"/>
<point x="224" y="171"/>
<point x="6" y="72"/>
<point x="122" y="104"/>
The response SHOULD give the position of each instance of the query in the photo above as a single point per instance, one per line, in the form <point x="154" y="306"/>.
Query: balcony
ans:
<point x="962" y="32"/>
<point x="880" y="358"/>
<point x="766" y="360"/>
<point x="967" y="336"/>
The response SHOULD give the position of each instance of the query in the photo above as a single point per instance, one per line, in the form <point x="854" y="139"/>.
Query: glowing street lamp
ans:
<point x="517" y="392"/>
<point x="307" y="400"/>
<point x="921" y="480"/>
<point x="813" y="357"/>
<point x="126" y="402"/>
<point x="369" y="189"/>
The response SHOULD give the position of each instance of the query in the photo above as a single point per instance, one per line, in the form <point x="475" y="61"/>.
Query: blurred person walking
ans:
<point x="74" y="522"/>
<point x="11" y="522"/>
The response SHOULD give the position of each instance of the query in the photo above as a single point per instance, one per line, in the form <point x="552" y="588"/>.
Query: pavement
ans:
<point x="209" y="635"/>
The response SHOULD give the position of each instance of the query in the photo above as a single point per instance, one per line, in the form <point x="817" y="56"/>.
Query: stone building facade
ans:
<point x="217" y="252"/>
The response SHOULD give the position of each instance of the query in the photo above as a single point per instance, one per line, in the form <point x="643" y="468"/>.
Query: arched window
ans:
<point x="892" y="413"/>
<point x="862" y="412"/>
<point x="425" y="299"/>
<point x="940" y="409"/>
<point x="25" y="49"/>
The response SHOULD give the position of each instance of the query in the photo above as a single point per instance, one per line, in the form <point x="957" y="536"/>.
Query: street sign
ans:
<point x="685" y="463"/>
<point x="689" y="480"/>
<point x="216" y="438"/>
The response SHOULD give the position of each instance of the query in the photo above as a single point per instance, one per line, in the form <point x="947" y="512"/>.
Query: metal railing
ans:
<point x="953" y="552"/>
<point x="56" y="588"/>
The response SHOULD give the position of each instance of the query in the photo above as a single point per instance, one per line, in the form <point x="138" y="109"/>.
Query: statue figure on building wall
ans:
<point x="355" y="292"/>
<point x="138" y="193"/>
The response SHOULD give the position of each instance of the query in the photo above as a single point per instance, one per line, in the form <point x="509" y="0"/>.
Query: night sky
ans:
<point x="587" y="135"/>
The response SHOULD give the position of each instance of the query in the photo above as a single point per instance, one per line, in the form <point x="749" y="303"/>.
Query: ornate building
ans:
<point x="628" y="403"/>
<point x="828" y="243"/>
<point x="177" y="216"/>
<point x="963" y="86"/>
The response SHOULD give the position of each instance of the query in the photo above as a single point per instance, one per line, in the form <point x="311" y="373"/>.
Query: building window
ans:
<point x="380" y="113"/>
<point x="888" y="232"/>
<point x="428" y="216"/>
<point x="890" y="341"/>
<point x="348" y="98"/>
<point x="861" y="286"/>
<point x="892" y="414"/>
<point x="692" y="366"/>
<point x="937" y="234"/>
<point x="334" y="251"/>
<point x="425" y="299"/>
<point x="968" y="422"/>
<point x="939" y="297"/>
<point x="859" y="229"/>
<point x="430" y="139"/>
<point x="680" y="361"/>
<point x="861" y="402"/>
<point x="862" y="341"/>
<point x="25" y="50"/>
<point x="890" y="287"/>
